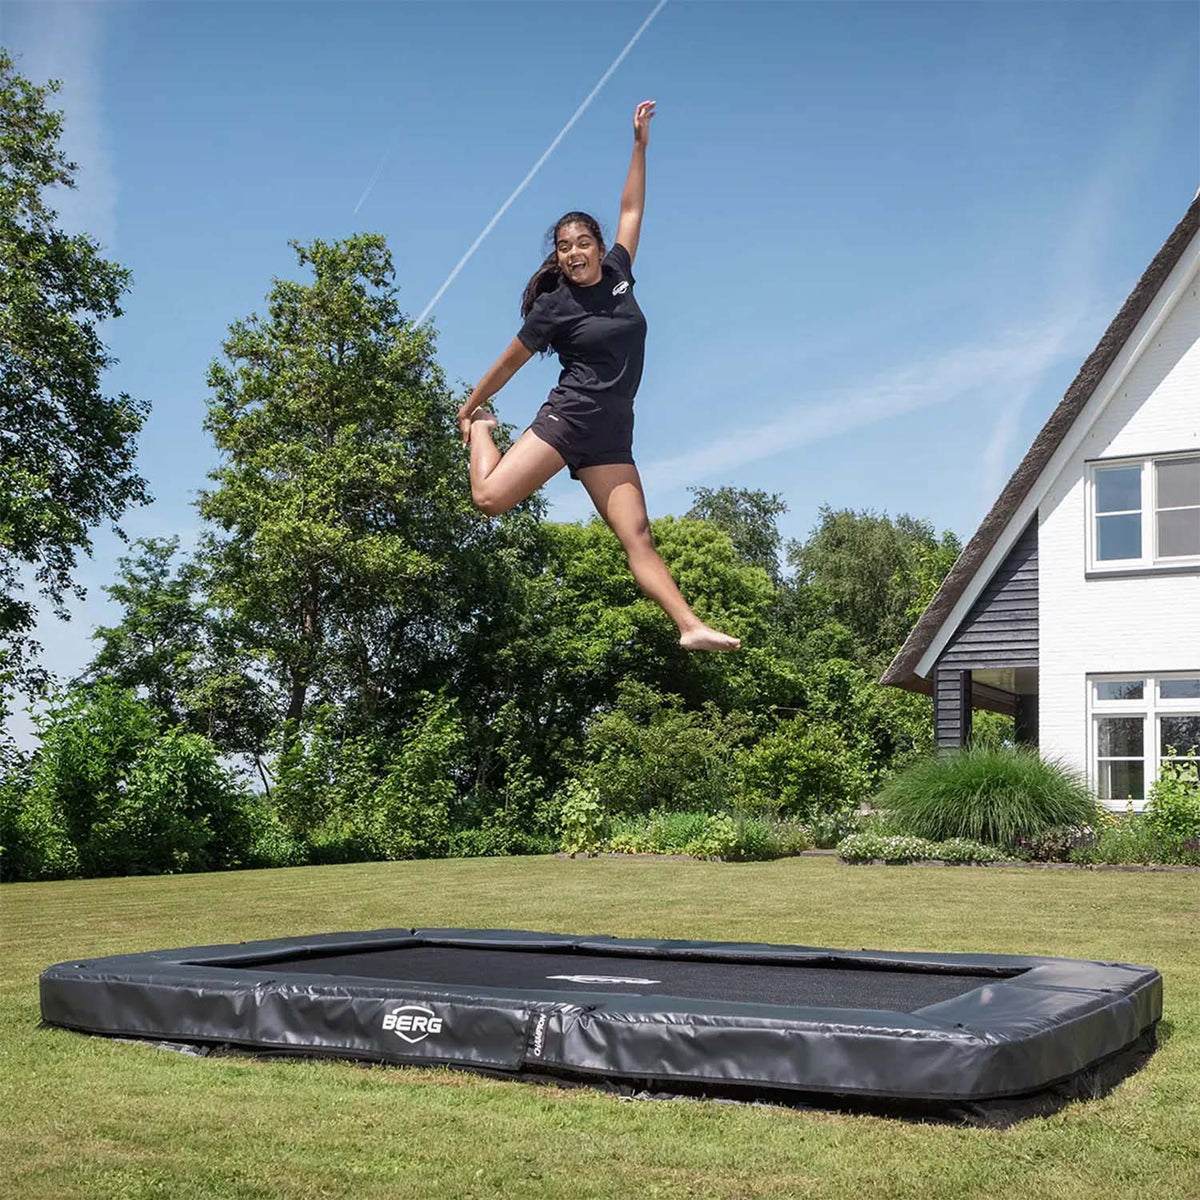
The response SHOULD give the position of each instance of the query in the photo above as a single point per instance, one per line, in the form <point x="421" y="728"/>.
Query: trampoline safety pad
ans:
<point x="990" y="1038"/>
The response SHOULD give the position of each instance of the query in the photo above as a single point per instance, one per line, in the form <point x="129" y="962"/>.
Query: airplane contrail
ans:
<point x="374" y="180"/>
<point x="462" y="262"/>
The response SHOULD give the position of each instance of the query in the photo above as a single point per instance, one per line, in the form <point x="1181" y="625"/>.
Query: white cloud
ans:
<point x="997" y="366"/>
<point x="64" y="41"/>
<point x="987" y="372"/>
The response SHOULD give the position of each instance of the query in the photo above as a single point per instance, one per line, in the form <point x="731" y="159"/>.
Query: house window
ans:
<point x="1139" y="722"/>
<point x="1177" y="507"/>
<point x="1119" y="689"/>
<point x="1120" y="758"/>
<point x="1144" y="513"/>
<point x="1119" y="514"/>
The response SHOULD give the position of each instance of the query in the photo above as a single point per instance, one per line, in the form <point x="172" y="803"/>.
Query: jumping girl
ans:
<point x="580" y="304"/>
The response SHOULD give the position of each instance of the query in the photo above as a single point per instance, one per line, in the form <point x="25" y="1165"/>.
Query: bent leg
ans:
<point x="499" y="483"/>
<point x="616" y="491"/>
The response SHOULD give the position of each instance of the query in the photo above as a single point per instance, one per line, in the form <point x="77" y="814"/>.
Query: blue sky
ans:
<point x="879" y="238"/>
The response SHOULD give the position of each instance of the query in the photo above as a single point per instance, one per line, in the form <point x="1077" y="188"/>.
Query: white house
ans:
<point x="1076" y="605"/>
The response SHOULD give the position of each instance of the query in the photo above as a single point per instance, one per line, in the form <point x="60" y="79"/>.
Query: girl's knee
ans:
<point x="490" y="503"/>
<point x="639" y="542"/>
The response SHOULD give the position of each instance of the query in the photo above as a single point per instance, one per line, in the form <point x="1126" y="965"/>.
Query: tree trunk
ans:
<point x="310" y="638"/>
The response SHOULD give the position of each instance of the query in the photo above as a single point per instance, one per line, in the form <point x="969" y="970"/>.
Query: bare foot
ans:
<point x="704" y="638"/>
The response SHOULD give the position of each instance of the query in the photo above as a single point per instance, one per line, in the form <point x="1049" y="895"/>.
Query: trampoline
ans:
<point x="986" y="1038"/>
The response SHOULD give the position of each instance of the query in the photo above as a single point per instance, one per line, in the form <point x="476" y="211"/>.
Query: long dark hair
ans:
<point x="548" y="276"/>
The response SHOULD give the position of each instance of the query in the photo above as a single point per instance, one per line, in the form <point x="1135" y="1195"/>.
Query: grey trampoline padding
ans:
<point x="739" y="1019"/>
<point x="744" y="982"/>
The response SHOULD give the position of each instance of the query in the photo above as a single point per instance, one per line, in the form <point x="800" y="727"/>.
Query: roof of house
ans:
<point x="901" y="672"/>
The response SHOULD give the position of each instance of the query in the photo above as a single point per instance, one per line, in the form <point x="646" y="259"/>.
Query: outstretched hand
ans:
<point x="641" y="122"/>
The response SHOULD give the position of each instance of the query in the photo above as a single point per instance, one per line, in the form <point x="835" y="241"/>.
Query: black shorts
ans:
<point x="585" y="435"/>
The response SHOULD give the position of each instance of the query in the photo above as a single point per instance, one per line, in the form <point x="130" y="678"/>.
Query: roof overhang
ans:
<point x="1148" y="305"/>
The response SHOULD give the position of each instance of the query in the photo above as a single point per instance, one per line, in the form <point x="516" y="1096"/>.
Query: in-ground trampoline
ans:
<point x="983" y="1037"/>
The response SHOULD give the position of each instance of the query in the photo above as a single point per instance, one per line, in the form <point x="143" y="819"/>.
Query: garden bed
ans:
<point x="1015" y="862"/>
<point x="921" y="862"/>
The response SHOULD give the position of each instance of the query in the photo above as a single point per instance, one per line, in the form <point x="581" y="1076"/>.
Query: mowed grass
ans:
<point x="91" y="1117"/>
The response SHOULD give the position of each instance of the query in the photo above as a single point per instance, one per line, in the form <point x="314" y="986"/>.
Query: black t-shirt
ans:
<point x="598" y="332"/>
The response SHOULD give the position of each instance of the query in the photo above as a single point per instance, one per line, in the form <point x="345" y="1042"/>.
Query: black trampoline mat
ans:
<point x="744" y="982"/>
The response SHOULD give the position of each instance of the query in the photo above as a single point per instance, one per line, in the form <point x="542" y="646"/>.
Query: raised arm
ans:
<point x="498" y="374"/>
<point x="633" y="198"/>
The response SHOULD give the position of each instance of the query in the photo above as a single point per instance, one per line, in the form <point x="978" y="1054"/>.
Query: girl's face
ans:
<point x="578" y="254"/>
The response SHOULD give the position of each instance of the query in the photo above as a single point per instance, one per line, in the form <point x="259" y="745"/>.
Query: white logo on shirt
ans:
<point x="551" y="417"/>
<point x="621" y="288"/>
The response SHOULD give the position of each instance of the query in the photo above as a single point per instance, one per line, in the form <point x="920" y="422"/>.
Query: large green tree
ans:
<point x="341" y="512"/>
<point x="192" y="664"/>
<point x="566" y="627"/>
<point x="872" y="573"/>
<point x="157" y="644"/>
<point x="66" y="450"/>
<point x="749" y="517"/>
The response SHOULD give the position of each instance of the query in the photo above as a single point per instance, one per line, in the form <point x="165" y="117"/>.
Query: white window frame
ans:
<point x="1150" y="559"/>
<point x="1150" y="708"/>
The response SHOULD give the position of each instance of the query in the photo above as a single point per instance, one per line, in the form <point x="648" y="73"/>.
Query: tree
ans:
<point x="342" y="507"/>
<point x="749" y="519"/>
<point x="190" y="662"/>
<point x="873" y="574"/>
<point x="566" y="628"/>
<point x="66" y="450"/>
<point x="159" y="639"/>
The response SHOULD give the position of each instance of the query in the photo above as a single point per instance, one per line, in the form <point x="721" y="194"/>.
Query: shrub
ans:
<point x="33" y="838"/>
<point x="178" y="811"/>
<point x="360" y="797"/>
<point x="261" y="838"/>
<point x="335" y="840"/>
<point x="963" y="850"/>
<point x="1133" y="840"/>
<point x="718" y="839"/>
<point x="702" y="835"/>
<point x="791" y="837"/>
<point x="1056" y="843"/>
<point x="827" y="829"/>
<point x="109" y="793"/>
<point x="804" y="769"/>
<point x="497" y="841"/>
<point x="1173" y="806"/>
<point x="659" y="833"/>
<point x="628" y="839"/>
<point x="408" y="814"/>
<point x="650" y="753"/>
<point x="867" y="847"/>
<point x="90" y="739"/>
<point x="986" y="793"/>
<point x="581" y="819"/>
<point x="754" y="841"/>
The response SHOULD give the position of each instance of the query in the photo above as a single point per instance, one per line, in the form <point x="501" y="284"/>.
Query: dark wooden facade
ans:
<point x="999" y="633"/>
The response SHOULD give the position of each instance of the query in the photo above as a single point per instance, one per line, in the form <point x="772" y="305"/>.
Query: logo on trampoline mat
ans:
<point x="602" y="979"/>
<point x="414" y="1022"/>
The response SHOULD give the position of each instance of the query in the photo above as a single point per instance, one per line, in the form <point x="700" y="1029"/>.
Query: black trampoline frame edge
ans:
<point x="1034" y="1023"/>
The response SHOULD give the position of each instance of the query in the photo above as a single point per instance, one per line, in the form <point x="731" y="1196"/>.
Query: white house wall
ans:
<point x="1143" y="623"/>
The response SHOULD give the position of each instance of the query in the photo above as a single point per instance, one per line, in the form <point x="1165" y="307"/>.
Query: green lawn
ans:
<point x="90" y="1117"/>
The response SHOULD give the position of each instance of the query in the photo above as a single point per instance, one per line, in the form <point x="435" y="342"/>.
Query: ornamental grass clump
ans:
<point x="988" y="794"/>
